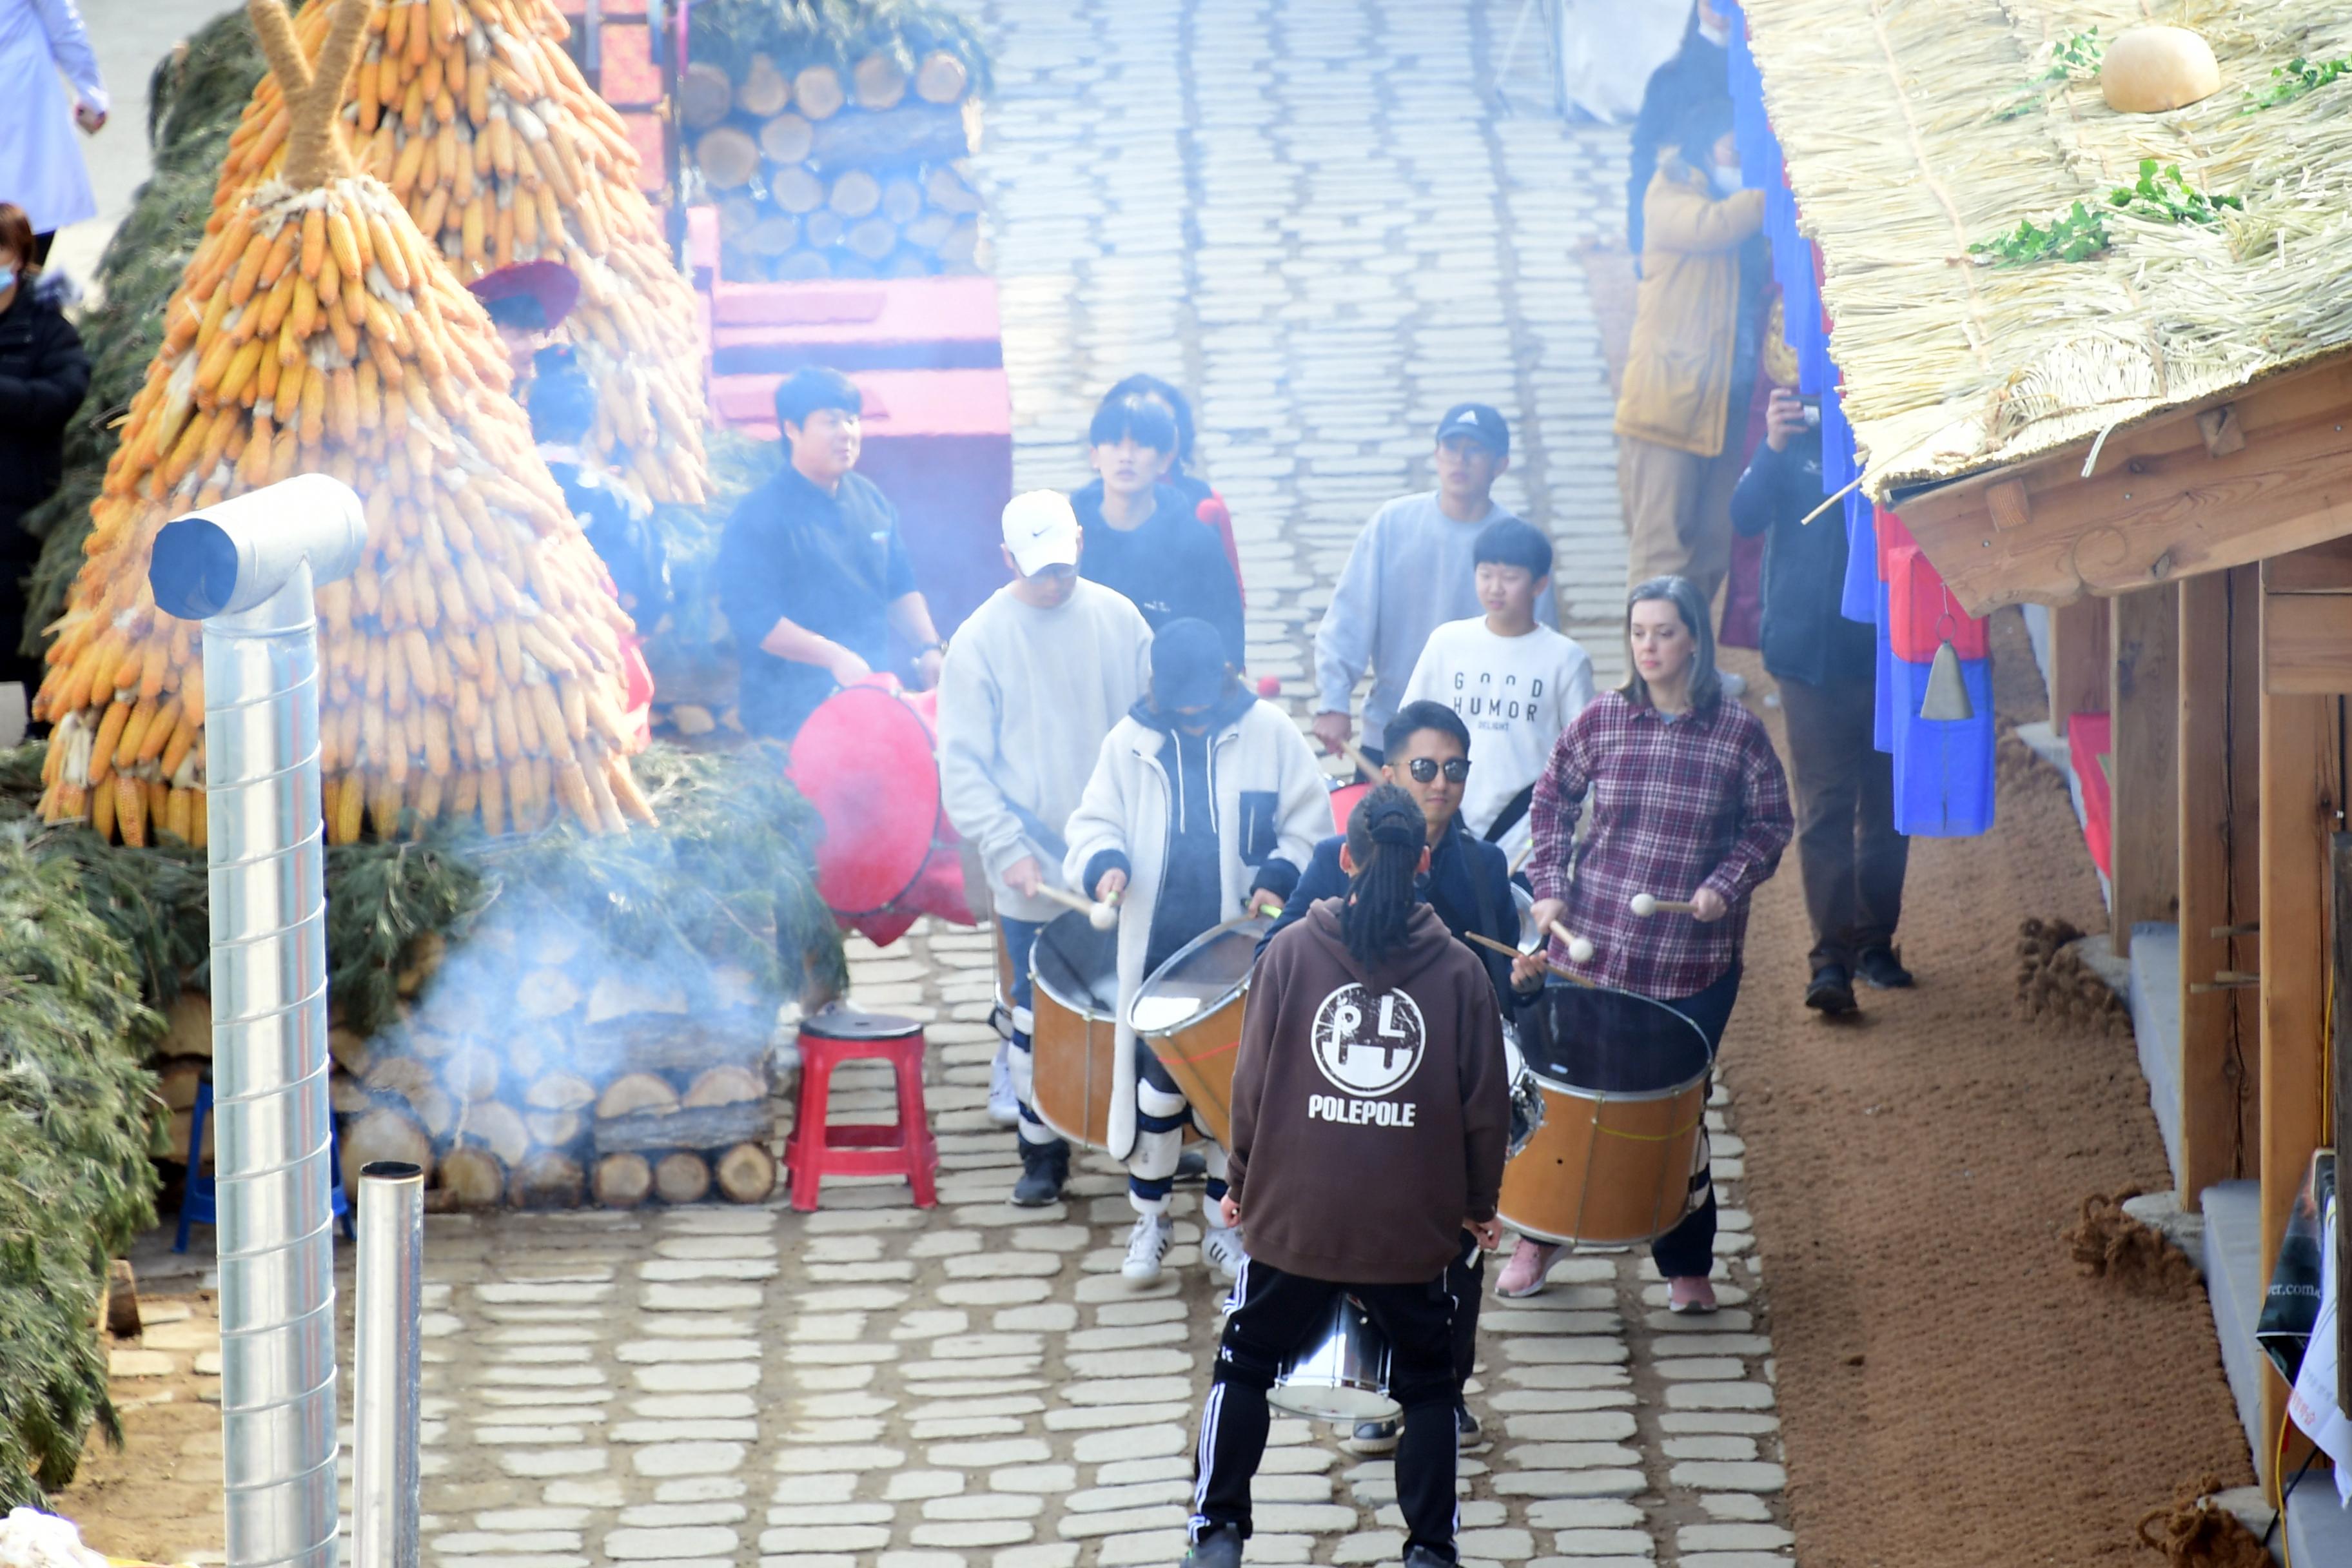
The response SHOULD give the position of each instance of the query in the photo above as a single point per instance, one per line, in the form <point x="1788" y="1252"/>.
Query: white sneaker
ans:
<point x="1222" y="1244"/>
<point x="1147" y="1244"/>
<point x="1004" y="1105"/>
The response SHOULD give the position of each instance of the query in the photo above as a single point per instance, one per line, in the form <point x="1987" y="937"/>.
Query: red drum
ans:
<point x="1343" y="802"/>
<point x="866" y="761"/>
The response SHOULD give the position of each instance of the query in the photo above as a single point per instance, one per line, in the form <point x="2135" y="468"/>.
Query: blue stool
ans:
<point x="197" y="1201"/>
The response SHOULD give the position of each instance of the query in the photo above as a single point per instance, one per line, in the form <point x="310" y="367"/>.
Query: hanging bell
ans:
<point x="1947" y="699"/>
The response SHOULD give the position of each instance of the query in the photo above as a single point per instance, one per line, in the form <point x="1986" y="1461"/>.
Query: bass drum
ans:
<point x="1073" y="1031"/>
<point x="1623" y="1082"/>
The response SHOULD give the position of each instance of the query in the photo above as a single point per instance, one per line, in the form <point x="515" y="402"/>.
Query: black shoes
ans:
<point x="1422" y="1557"/>
<point x="1372" y="1437"/>
<point x="1883" y="968"/>
<point x="1831" y="991"/>
<point x="1467" y="1432"/>
<point x="1220" y="1547"/>
<point x="1044" y="1168"/>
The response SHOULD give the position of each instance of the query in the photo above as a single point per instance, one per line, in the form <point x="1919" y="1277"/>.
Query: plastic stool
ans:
<point x="902" y="1148"/>
<point x="199" y="1201"/>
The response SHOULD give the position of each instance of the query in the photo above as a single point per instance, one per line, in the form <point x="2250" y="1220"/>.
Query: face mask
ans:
<point x="1727" y="181"/>
<point x="7" y="278"/>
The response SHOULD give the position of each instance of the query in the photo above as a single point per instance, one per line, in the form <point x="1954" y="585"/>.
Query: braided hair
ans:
<point x="1386" y="836"/>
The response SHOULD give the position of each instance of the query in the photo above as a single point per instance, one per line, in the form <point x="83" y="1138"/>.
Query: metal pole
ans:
<point x="387" y="1365"/>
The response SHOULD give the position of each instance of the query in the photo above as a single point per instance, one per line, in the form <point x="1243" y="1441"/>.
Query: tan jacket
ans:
<point x="1677" y="385"/>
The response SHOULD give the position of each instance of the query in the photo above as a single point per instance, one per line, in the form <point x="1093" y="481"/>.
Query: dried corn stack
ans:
<point x="479" y="122"/>
<point x="473" y="664"/>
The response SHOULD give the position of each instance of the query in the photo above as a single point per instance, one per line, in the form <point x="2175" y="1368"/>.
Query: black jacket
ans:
<point x="1172" y="567"/>
<point x="1805" y="636"/>
<point x="1700" y="69"/>
<point x="1461" y="869"/>
<point x="44" y="375"/>
<point x="624" y="539"/>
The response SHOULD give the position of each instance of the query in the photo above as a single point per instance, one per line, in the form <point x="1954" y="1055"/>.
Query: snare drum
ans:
<point x="1523" y="905"/>
<point x="1342" y="1374"/>
<point x="1073" y="1036"/>
<point x="1189" y="1013"/>
<point x="1624" y="1083"/>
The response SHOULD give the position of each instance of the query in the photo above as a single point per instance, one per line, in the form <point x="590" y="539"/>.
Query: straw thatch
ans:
<point x="1915" y="128"/>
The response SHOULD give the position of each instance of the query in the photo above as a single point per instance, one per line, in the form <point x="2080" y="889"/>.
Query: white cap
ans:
<point x="1040" y="531"/>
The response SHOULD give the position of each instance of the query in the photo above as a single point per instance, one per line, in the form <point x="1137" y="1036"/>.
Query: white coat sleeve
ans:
<point x="970" y="712"/>
<point x="70" y="47"/>
<point x="1100" y="824"/>
<point x="1343" y="643"/>
<point x="1306" y="819"/>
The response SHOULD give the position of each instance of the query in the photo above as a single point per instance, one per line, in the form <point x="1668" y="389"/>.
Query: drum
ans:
<point x="1074" y="1033"/>
<point x="1623" y="1082"/>
<point x="1342" y="1374"/>
<point x="1343" y="802"/>
<point x="1523" y="905"/>
<point x="1527" y="1095"/>
<point x="1189" y="1013"/>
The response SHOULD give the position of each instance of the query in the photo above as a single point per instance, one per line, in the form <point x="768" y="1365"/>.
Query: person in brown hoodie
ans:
<point x="1370" y="1113"/>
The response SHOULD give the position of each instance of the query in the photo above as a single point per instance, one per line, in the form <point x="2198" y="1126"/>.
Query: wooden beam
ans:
<point x="2307" y="645"/>
<point x="2211" y="836"/>
<point x="2162" y="504"/>
<point x="2322" y="568"/>
<point x="2144" y="697"/>
<point x="2245" y="855"/>
<point x="2079" y="653"/>
<point x="2301" y="790"/>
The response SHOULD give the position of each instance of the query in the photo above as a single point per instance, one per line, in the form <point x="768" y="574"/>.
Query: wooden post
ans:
<point x="2302" y="748"/>
<point x="2144" y="696"/>
<point x="2340" y="1050"/>
<point x="2078" y="661"/>
<point x="2246" y="854"/>
<point x="2215" y="834"/>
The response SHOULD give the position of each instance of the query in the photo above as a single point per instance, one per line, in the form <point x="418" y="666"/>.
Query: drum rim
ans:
<point x="1606" y="1096"/>
<point x="1378" y="1406"/>
<point x="1213" y="933"/>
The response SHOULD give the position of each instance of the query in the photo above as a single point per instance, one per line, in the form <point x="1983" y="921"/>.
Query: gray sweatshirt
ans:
<point x="1410" y="573"/>
<point x="1025" y="699"/>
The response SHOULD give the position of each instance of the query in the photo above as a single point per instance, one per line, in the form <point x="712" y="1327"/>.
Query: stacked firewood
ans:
<point x="819" y="173"/>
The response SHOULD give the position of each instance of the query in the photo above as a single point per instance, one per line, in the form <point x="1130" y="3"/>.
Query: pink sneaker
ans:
<point x="1524" y="1274"/>
<point x="1690" y="1293"/>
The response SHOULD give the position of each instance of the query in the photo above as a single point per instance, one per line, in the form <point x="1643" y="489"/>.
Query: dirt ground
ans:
<point x="158" y="1498"/>
<point x="1952" y="1389"/>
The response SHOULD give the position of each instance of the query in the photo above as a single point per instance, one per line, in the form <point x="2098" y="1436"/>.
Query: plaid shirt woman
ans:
<point x="1688" y="803"/>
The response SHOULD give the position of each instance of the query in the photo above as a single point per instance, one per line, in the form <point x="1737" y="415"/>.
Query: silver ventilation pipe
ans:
<point x="248" y="569"/>
<point x="387" y="1364"/>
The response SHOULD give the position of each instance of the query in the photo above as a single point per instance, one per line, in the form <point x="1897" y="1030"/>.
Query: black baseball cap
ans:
<point x="1480" y="423"/>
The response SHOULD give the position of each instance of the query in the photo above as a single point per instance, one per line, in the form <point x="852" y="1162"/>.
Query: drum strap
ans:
<point x="1509" y="817"/>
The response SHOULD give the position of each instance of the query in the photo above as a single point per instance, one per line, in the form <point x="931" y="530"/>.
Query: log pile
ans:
<point x="826" y="171"/>
<point x="537" y="1068"/>
<point x="472" y="665"/>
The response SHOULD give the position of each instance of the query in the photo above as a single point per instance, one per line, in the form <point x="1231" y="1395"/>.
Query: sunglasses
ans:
<point x="1424" y="769"/>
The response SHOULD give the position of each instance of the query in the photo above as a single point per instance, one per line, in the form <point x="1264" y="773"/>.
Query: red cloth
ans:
<point x="1698" y="803"/>
<point x="1213" y="512"/>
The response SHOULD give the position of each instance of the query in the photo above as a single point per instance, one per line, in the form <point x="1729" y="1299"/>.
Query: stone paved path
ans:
<point x="1305" y="213"/>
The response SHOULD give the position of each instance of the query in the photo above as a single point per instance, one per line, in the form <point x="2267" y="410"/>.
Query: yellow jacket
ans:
<point x="1678" y="367"/>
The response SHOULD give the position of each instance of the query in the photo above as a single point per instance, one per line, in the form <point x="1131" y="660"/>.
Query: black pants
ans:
<point x="1853" y="859"/>
<point x="1465" y="1281"/>
<point x="1273" y="1315"/>
<point x="1688" y="1251"/>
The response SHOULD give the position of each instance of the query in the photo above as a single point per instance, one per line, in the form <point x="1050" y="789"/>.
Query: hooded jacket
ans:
<point x="43" y="376"/>
<point x="1806" y="634"/>
<point x="1370" y="1108"/>
<point x="1266" y="802"/>
<point x="1679" y="365"/>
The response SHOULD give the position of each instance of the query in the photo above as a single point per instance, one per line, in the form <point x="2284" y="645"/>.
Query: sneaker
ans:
<point x="1883" y="967"/>
<point x="1735" y="685"/>
<point x="1467" y="1432"/>
<point x="1422" y="1557"/>
<point x="1004" y="1105"/>
<point x="1832" y="991"/>
<point x="1222" y="1244"/>
<point x="1147" y="1244"/>
<point x="1372" y="1438"/>
<point x="1044" y="1168"/>
<point x="1220" y="1547"/>
<point x="1524" y="1274"/>
<point x="1692" y="1293"/>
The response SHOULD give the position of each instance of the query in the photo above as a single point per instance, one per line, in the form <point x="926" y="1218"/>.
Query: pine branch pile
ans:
<point x="477" y="120"/>
<point x="473" y="664"/>
<point x="75" y="1184"/>
<point x="835" y="136"/>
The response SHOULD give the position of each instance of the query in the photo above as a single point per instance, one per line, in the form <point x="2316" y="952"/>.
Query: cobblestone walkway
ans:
<point x="1305" y="212"/>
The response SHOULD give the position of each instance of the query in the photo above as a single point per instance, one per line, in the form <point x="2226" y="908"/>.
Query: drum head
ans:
<point x="865" y="762"/>
<point x="1610" y="1042"/>
<point x="1079" y="964"/>
<point x="1201" y="977"/>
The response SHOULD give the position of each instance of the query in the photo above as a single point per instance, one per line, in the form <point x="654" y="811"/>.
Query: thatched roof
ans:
<point x="1914" y="129"/>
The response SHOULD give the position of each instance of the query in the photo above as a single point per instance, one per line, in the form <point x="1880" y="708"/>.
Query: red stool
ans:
<point x="902" y="1148"/>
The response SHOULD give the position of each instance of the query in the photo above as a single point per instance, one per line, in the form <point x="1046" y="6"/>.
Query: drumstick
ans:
<point x="1578" y="948"/>
<point x="1101" y="916"/>
<point x="1364" y="764"/>
<point x="1527" y="853"/>
<point x="1508" y="949"/>
<point x="1646" y="906"/>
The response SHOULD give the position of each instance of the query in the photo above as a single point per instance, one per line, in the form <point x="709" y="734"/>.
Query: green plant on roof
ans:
<point x="2292" y="81"/>
<point x="2161" y="193"/>
<point x="2075" y="58"/>
<point x="2075" y="235"/>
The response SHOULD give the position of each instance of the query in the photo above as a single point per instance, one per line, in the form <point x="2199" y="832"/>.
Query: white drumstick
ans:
<point x="1578" y="948"/>
<point x="1101" y="916"/>
<point x="1647" y="905"/>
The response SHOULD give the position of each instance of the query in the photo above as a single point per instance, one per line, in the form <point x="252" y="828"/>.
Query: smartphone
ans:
<point x="1812" y="411"/>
